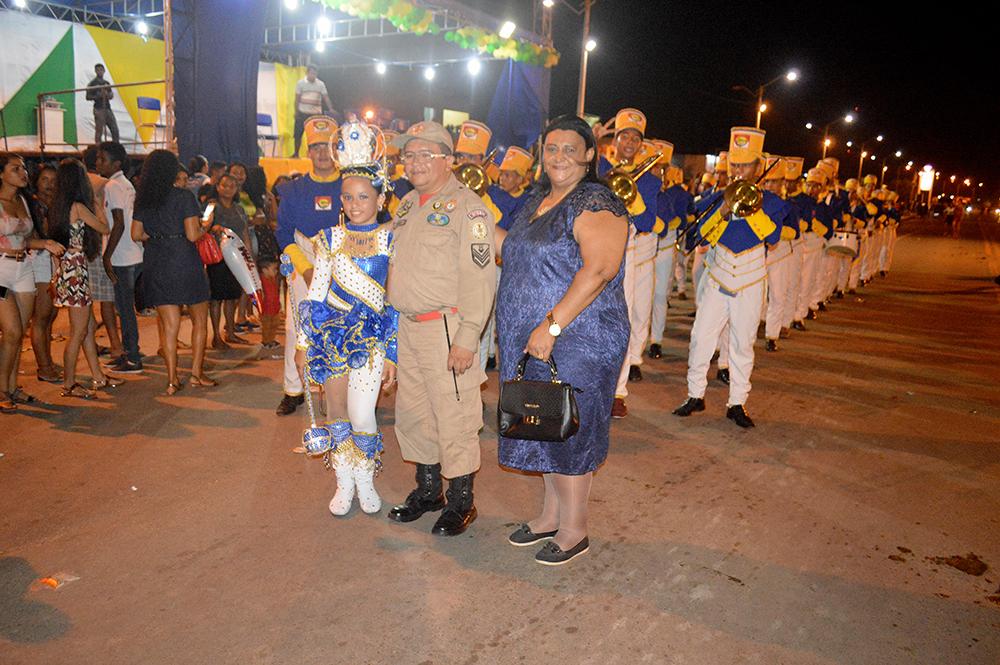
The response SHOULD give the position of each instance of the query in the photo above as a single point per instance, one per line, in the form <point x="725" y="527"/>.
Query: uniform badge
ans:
<point x="437" y="205"/>
<point x="477" y="213"/>
<point x="399" y="221"/>
<point x="479" y="231"/>
<point x="438" y="219"/>
<point x="450" y="206"/>
<point x="323" y="203"/>
<point x="404" y="208"/>
<point x="481" y="254"/>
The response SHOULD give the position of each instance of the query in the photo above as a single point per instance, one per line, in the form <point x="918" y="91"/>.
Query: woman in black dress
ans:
<point x="227" y="213"/>
<point x="168" y="221"/>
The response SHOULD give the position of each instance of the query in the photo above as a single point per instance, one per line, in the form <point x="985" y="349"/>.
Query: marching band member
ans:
<point x="731" y="289"/>
<point x="674" y="207"/>
<point x="793" y="194"/>
<point x="630" y="126"/>
<point x="470" y="148"/>
<point x="893" y="217"/>
<point x="400" y="186"/>
<point x="779" y="254"/>
<point x="812" y="249"/>
<point x="858" y="214"/>
<point x="823" y="224"/>
<point x="512" y="181"/>
<point x="875" y="218"/>
<point x="308" y="205"/>
<point x="346" y="338"/>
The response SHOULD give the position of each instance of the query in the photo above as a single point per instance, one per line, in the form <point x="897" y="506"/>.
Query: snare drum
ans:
<point x="843" y="243"/>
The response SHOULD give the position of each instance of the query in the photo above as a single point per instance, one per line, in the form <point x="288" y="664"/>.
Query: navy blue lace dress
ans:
<point x="540" y="259"/>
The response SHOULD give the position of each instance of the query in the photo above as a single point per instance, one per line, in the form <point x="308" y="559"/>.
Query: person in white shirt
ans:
<point x="310" y="99"/>
<point x="124" y="254"/>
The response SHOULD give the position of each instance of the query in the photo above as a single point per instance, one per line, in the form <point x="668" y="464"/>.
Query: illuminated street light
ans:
<point x="899" y="153"/>
<point x="507" y="29"/>
<point x="429" y="72"/>
<point x="792" y="75"/>
<point x="809" y="125"/>
<point x="827" y="143"/>
<point x="909" y="166"/>
<point x="864" y="153"/>
<point x="380" y="68"/>
<point x="879" y="138"/>
<point x="952" y="178"/>
<point x="872" y="158"/>
<point x="762" y="109"/>
<point x="849" y="118"/>
<point x="474" y="66"/>
<point x="909" y="163"/>
<point x="323" y="25"/>
<point x="850" y="144"/>
<point x="980" y="184"/>
<point x="967" y="182"/>
<point x="590" y="45"/>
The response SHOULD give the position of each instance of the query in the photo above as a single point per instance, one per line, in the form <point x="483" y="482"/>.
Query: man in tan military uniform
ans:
<point x="442" y="281"/>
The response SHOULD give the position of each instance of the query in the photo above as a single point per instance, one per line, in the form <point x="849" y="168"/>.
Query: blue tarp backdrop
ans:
<point x="520" y="106"/>
<point x="217" y="47"/>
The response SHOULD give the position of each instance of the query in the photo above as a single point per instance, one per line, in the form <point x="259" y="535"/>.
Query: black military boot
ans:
<point x="723" y="375"/>
<point x="460" y="511"/>
<point x="689" y="406"/>
<point x="655" y="351"/>
<point x="426" y="498"/>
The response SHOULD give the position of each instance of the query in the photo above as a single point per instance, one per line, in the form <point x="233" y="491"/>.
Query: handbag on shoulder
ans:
<point x="208" y="249"/>
<point x="537" y="410"/>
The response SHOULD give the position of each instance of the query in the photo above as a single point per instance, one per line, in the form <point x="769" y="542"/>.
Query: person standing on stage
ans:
<point x="311" y="99"/>
<point x="347" y="330"/>
<point x="630" y="126"/>
<point x="442" y="281"/>
<point x="308" y="205"/>
<point x="731" y="289"/>
<point x="99" y="91"/>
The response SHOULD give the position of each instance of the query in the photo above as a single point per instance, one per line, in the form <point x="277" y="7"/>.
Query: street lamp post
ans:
<point x="791" y="76"/>
<point x="827" y="142"/>
<point x="581" y="94"/>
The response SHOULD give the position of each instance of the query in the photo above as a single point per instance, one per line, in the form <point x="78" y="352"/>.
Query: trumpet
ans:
<point x="474" y="176"/>
<point x="622" y="182"/>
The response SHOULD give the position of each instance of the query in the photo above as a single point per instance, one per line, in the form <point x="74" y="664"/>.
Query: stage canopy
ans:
<point x="59" y="42"/>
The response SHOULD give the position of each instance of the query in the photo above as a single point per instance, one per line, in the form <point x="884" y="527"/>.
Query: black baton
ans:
<point x="447" y="338"/>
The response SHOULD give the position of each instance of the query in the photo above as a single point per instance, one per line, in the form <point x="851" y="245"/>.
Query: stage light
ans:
<point x="380" y="68"/>
<point x="429" y="73"/>
<point x="21" y="4"/>
<point x="809" y="125"/>
<point x="323" y="25"/>
<point x="849" y="118"/>
<point x="369" y="114"/>
<point x="320" y="46"/>
<point x="590" y="45"/>
<point x="548" y="4"/>
<point x="507" y="29"/>
<point x="474" y="66"/>
<point x="142" y="28"/>
<point x="291" y="5"/>
<point x="792" y="75"/>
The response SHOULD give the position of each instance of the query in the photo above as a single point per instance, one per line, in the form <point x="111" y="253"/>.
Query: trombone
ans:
<point x="743" y="199"/>
<point x="622" y="182"/>
<point x="474" y="176"/>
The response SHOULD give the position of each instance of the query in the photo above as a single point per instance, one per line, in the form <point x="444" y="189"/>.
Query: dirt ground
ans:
<point x="822" y="536"/>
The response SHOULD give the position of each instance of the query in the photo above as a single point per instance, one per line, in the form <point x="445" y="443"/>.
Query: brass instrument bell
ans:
<point x="474" y="176"/>
<point x="743" y="198"/>
<point x="622" y="182"/>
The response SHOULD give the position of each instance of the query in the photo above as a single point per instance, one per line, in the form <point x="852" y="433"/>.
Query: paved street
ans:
<point x="198" y="537"/>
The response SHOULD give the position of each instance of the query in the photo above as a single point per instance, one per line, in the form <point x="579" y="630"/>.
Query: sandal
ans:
<point x="49" y="375"/>
<point x="203" y="381"/>
<point x="235" y="339"/>
<point x="173" y="389"/>
<point x="108" y="382"/>
<point x="78" y="391"/>
<point x="21" y="397"/>
<point x="7" y="405"/>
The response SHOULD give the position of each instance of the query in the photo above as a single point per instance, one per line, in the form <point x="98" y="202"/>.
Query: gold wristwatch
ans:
<point x="554" y="328"/>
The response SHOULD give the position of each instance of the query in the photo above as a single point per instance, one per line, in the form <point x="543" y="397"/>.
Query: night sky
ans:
<point x="929" y="87"/>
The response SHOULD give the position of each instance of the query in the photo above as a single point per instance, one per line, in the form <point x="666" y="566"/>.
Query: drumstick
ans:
<point x="447" y="338"/>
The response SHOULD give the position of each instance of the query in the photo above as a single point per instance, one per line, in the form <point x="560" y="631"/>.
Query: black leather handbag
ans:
<point x="537" y="410"/>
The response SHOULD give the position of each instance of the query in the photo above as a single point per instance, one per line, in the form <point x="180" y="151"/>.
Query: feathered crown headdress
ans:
<point x="361" y="152"/>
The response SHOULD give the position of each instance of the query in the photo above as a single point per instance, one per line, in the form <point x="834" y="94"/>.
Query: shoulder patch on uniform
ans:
<point x="404" y="208"/>
<point x="479" y="231"/>
<point x="477" y="213"/>
<point x="438" y="219"/>
<point x="481" y="254"/>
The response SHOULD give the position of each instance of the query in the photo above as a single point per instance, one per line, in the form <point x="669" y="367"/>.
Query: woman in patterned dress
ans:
<point x="79" y="229"/>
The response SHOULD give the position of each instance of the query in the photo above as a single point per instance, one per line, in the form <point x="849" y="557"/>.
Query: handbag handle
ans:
<point x="519" y="374"/>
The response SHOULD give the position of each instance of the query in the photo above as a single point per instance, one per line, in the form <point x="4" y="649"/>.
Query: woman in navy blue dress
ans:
<point x="561" y="295"/>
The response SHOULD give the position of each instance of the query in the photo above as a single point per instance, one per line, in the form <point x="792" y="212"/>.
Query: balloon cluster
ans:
<point x="408" y="17"/>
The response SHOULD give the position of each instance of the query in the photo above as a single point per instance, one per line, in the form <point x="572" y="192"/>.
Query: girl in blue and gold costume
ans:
<point x="347" y="330"/>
